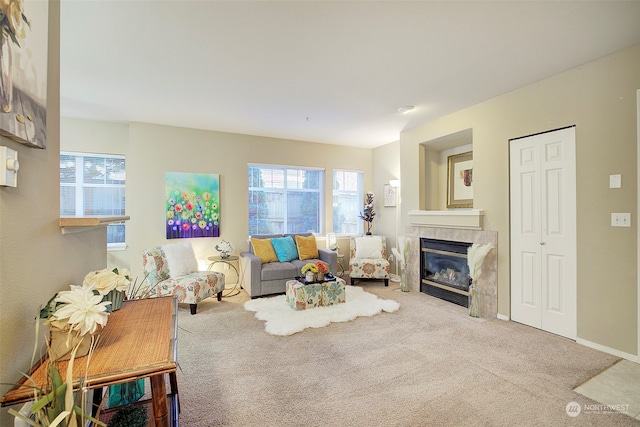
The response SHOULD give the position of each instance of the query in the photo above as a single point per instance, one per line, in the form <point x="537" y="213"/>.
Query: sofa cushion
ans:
<point x="278" y="271"/>
<point x="263" y="248"/>
<point x="180" y="258"/>
<point x="369" y="247"/>
<point x="285" y="248"/>
<point x="307" y="247"/>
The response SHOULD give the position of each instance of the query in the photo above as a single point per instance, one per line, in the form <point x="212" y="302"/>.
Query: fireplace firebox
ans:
<point x="444" y="272"/>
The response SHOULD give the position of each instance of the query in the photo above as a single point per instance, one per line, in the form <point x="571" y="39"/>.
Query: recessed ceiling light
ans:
<point x="406" y="109"/>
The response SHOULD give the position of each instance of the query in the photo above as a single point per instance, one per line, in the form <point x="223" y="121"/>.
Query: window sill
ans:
<point x="114" y="247"/>
<point x="75" y="224"/>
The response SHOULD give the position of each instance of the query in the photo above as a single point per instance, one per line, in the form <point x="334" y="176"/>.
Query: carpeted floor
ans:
<point x="428" y="364"/>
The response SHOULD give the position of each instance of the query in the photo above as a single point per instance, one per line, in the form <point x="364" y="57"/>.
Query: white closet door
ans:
<point x="543" y="231"/>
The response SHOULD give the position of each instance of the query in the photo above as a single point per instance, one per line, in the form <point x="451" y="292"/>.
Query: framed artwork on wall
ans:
<point x="389" y="195"/>
<point x="192" y="206"/>
<point x="460" y="180"/>
<point x="24" y="33"/>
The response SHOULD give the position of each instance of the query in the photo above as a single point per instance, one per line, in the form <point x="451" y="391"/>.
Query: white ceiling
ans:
<point x="325" y="71"/>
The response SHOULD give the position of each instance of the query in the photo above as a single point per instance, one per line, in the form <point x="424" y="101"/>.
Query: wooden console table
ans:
<point x="139" y="341"/>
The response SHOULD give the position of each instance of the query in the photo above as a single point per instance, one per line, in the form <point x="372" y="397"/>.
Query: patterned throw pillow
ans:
<point x="307" y="247"/>
<point x="263" y="248"/>
<point x="285" y="248"/>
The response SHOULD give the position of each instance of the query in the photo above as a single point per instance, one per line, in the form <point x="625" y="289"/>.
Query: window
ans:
<point x="285" y="199"/>
<point x="94" y="184"/>
<point x="347" y="202"/>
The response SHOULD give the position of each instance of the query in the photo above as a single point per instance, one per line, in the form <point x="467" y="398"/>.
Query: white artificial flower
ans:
<point x="105" y="281"/>
<point x="83" y="310"/>
<point x="224" y="247"/>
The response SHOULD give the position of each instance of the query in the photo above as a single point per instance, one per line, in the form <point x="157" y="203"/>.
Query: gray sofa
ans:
<point x="259" y="279"/>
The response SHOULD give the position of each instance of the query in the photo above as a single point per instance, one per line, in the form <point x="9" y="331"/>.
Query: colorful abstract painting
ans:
<point x="192" y="207"/>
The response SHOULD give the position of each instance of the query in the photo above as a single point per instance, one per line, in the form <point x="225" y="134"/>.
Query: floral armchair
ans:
<point x="172" y="271"/>
<point x="368" y="258"/>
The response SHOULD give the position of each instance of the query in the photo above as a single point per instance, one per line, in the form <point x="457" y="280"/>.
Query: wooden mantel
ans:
<point x="456" y="218"/>
<point x="73" y="224"/>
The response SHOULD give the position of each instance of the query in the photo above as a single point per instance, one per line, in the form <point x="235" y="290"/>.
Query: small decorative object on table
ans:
<point x="111" y="284"/>
<point x="368" y="212"/>
<point x="332" y="243"/>
<point x="475" y="256"/>
<point x="225" y="248"/>
<point x="73" y="316"/>
<point x="323" y="268"/>
<point x="309" y="270"/>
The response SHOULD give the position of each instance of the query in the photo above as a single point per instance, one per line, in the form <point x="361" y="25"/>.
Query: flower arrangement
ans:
<point x="309" y="267"/>
<point x="475" y="257"/>
<point x="58" y="406"/>
<point x="105" y="280"/>
<point x="323" y="267"/>
<point x="368" y="212"/>
<point x="225" y="248"/>
<point x="111" y="284"/>
<point x="401" y="252"/>
<point x="78" y="309"/>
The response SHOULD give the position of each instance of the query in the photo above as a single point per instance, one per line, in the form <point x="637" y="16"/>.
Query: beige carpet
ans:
<point x="428" y="364"/>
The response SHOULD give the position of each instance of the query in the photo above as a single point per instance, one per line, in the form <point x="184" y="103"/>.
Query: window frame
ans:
<point x="79" y="185"/>
<point x="320" y="191"/>
<point x="359" y="197"/>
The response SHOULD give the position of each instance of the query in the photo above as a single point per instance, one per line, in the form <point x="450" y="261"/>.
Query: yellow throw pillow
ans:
<point x="263" y="248"/>
<point x="307" y="247"/>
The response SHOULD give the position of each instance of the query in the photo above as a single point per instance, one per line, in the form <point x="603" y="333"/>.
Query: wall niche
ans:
<point x="433" y="167"/>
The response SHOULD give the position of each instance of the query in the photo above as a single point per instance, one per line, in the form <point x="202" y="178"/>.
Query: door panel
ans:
<point x="543" y="236"/>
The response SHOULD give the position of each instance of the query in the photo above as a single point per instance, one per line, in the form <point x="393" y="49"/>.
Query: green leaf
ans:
<point x="48" y="398"/>
<point x="79" y="412"/>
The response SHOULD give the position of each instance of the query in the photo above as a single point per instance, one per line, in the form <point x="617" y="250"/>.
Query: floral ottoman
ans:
<point x="301" y="296"/>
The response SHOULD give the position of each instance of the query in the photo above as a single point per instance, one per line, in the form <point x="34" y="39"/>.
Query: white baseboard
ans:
<point x="503" y="317"/>
<point x="605" y="349"/>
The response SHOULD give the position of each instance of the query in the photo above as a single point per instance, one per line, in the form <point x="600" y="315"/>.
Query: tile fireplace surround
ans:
<point x="487" y="286"/>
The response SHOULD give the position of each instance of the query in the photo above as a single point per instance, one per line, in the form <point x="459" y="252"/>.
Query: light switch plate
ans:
<point x="621" y="220"/>
<point x="615" y="181"/>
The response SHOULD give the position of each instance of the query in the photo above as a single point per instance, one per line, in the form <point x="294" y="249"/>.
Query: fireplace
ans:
<point x="444" y="272"/>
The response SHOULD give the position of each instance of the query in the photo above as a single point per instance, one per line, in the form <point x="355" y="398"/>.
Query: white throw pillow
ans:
<point x="369" y="247"/>
<point x="180" y="258"/>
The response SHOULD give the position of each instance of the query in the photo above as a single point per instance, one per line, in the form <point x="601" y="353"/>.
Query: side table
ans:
<point x="150" y="326"/>
<point x="340" y="265"/>
<point x="232" y="261"/>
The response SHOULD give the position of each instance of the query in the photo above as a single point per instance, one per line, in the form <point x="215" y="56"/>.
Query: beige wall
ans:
<point x="600" y="99"/>
<point x="36" y="259"/>
<point x="152" y="150"/>
<point x="386" y="166"/>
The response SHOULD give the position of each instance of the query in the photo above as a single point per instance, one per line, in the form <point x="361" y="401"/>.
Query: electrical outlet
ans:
<point x="621" y="220"/>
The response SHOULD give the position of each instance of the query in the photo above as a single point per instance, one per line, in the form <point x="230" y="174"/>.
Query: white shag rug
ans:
<point x="281" y="319"/>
